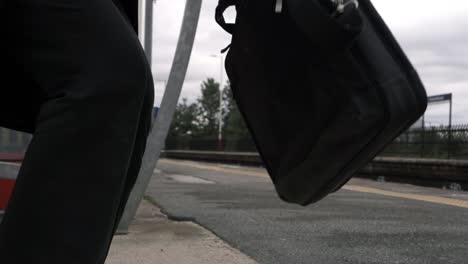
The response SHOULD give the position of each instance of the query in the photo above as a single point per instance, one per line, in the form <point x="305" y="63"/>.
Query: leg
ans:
<point x="135" y="162"/>
<point x="88" y="61"/>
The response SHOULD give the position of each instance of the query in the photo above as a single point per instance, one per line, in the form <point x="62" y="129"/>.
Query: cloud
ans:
<point x="434" y="35"/>
<point x="210" y="39"/>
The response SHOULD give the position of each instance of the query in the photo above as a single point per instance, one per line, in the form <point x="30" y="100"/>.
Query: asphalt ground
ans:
<point x="365" y="222"/>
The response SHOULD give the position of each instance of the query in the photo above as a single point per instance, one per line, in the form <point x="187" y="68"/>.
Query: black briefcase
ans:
<point x="323" y="87"/>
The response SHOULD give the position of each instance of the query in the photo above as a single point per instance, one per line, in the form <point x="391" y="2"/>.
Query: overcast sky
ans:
<point x="434" y="34"/>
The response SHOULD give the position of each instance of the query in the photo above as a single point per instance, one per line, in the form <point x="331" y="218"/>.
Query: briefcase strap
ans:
<point x="222" y="6"/>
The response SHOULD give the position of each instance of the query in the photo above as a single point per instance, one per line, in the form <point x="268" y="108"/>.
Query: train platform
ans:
<point x="366" y="222"/>
<point x="153" y="238"/>
<point x="197" y="212"/>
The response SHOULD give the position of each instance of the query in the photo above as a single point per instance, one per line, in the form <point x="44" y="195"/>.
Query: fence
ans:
<point x="429" y="142"/>
<point x="211" y="144"/>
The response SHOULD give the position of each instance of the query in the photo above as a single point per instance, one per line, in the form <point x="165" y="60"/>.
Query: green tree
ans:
<point x="184" y="126"/>
<point x="235" y="129"/>
<point x="196" y="125"/>
<point x="208" y="108"/>
<point x="229" y="104"/>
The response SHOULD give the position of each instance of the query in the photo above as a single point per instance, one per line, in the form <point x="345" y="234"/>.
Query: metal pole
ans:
<point x="220" y="127"/>
<point x="450" y="114"/>
<point x="148" y="45"/>
<point x="159" y="131"/>
<point x="449" y="152"/>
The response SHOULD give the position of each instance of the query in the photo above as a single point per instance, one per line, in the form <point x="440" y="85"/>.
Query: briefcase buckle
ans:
<point x="279" y="6"/>
<point x="342" y="4"/>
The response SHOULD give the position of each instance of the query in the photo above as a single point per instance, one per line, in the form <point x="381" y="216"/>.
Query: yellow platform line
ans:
<point x="349" y="187"/>
<point x="417" y="197"/>
<point x="215" y="168"/>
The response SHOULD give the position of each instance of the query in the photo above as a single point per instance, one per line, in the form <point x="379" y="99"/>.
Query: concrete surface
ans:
<point x="153" y="239"/>
<point x="367" y="222"/>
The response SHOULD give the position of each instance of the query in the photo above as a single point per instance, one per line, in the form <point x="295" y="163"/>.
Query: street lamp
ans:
<point x="220" y="113"/>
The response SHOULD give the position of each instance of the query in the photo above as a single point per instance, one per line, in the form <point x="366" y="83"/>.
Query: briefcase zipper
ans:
<point x="340" y="6"/>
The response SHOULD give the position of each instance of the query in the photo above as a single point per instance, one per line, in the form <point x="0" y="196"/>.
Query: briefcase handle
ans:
<point x="331" y="25"/>
<point x="219" y="15"/>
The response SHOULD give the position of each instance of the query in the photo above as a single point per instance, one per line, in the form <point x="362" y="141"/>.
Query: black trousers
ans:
<point x="77" y="78"/>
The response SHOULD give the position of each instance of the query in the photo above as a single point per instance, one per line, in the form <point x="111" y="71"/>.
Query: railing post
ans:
<point x="449" y="153"/>
<point x="423" y="141"/>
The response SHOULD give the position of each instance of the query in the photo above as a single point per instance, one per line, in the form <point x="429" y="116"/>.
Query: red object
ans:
<point x="220" y="145"/>
<point x="6" y="188"/>
<point x="12" y="156"/>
